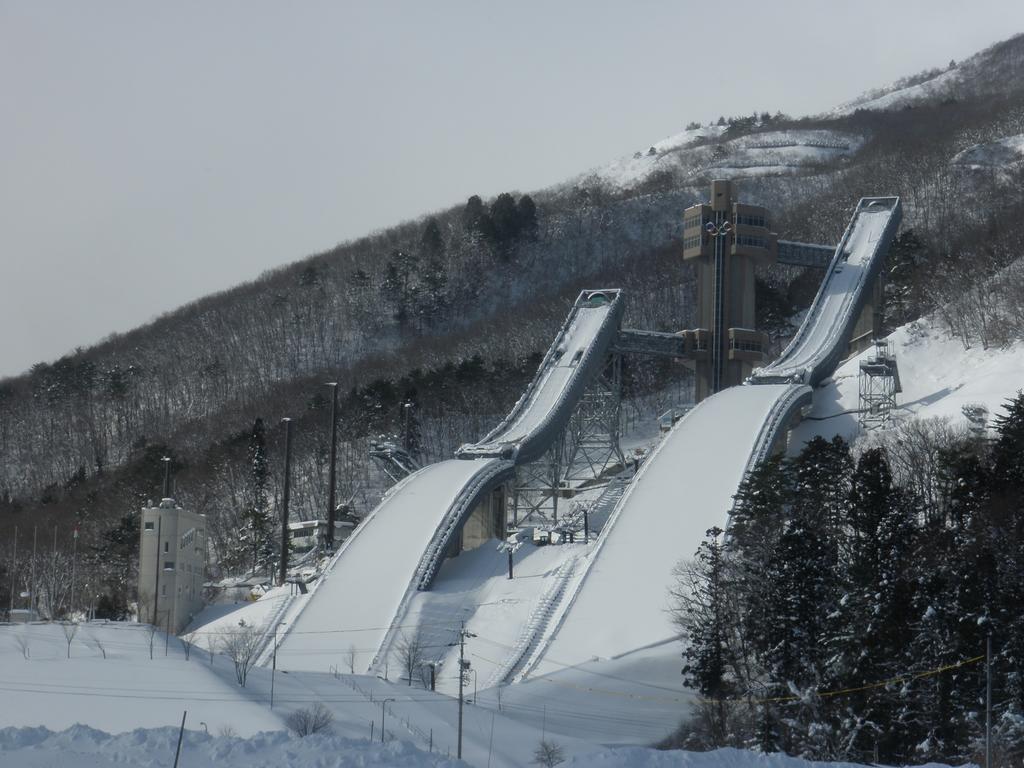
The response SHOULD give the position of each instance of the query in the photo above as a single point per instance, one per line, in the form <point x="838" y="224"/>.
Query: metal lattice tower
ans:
<point x="879" y="383"/>
<point x="534" y="494"/>
<point x="587" y="447"/>
<point x="592" y="439"/>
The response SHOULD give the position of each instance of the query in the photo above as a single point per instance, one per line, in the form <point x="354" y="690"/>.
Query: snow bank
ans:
<point x="85" y="747"/>
<point x="637" y="757"/>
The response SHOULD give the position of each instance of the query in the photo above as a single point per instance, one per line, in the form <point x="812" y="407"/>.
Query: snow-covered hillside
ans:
<point x="938" y="376"/>
<point x="1001" y="154"/>
<point x="900" y="94"/>
<point x="697" y="153"/>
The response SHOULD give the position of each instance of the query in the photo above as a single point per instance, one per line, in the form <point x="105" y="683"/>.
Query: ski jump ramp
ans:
<point x="618" y="603"/>
<point x="621" y="603"/>
<point x="399" y="547"/>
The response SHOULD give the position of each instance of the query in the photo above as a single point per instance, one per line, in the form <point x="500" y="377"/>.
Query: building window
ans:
<point x="167" y="546"/>
<point x="163" y="590"/>
<point x="754" y="242"/>
<point x="147" y="526"/>
<point x="743" y="345"/>
<point x="751" y="221"/>
<point x="168" y="565"/>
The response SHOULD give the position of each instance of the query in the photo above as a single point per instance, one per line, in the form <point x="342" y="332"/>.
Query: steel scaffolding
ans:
<point x="586" y="449"/>
<point x="879" y="383"/>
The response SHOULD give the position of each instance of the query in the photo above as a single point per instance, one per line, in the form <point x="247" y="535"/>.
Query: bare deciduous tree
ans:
<point x="240" y="645"/>
<point x="350" y="657"/>
<point x="548" y="754"/>
<point x="410" y="651"/>
<point x="70" y="630"/>
<point x="153" y="629"/>
<point x="100" y="645"/>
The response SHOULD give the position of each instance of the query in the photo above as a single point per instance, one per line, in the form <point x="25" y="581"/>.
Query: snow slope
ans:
<point x="938" y="376"/>
<point x="355" y="601"/>
<point x="683" y="489"/>
<point x="897" y="95"/>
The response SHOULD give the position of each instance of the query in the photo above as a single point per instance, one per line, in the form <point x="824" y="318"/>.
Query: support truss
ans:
<point x="586" y="449"/>
<point x="592" y="439"/>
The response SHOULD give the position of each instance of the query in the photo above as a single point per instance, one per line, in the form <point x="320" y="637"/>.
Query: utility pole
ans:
<point x="156" y="584"/>
<point x="331" y="504"/>
<point x="463" y="634"/>
<point x="383" y="708"/>
<point x="988" y="701"/>
<point x="284" y="502"/>
<point x="14" y="569"/>
<point x="32" y="577"/>
<point x="74" y="563"/>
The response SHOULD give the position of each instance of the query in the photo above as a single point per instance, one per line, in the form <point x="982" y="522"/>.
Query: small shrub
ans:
<point x="309" y="720"/>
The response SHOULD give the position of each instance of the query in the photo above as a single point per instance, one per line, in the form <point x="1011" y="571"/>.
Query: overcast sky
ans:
<point x="151" y="153"/>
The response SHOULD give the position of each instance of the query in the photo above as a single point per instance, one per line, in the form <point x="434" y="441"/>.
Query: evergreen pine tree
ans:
<point x="431" y="242"/>
<point x="256" y="519"/>
<point x="702" y="616"/>
<point x="527" y="214"/>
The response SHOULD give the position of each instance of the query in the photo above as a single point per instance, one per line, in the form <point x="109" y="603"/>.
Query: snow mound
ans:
<point x="85" y="747"/>
<point x="638" y="757"/>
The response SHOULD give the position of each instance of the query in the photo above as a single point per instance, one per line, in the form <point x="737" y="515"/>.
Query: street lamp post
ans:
<point x="331" y="502"/>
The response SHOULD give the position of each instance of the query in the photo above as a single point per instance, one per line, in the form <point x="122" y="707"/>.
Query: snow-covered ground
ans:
<point x="938" y="377"/>
<point x="129" y="691"/>
<point x="84" y="747"/>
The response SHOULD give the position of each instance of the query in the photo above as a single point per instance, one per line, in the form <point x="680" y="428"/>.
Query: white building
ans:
<point x="172" y="562"/>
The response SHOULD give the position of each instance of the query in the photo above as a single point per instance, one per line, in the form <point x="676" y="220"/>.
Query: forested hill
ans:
<point x="450" y="312"/>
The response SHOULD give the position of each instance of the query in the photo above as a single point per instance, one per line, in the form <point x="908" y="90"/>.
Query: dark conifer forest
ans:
<point x="846" y="612"/>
